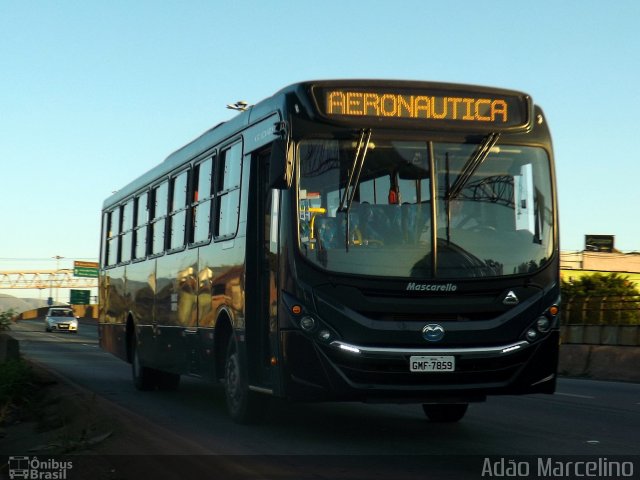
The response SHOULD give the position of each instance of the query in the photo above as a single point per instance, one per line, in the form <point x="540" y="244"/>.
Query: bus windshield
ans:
<point x="493" y="218"/>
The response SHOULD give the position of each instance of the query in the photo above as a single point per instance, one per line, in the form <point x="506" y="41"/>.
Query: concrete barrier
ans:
<point x="82" y="311"/>
<point x="600" y="362"/>
<point x="585" y="334"/>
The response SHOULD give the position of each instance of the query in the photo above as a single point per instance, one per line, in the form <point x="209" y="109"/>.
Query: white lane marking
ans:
<point x="574" y="395"/>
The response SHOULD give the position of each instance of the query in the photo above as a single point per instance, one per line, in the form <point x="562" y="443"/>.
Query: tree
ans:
<point x="5" y="319"/>
<point x="601" y="298"/>
<point x="600" y="284"/>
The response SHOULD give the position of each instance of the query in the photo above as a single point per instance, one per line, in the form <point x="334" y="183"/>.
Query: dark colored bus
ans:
<point x="376" y="241"/>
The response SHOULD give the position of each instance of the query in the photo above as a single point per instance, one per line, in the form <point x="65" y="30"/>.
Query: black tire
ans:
<point x="244" y="406"/>
<point x="445" y="413"/>
<point x="144" y="378"/>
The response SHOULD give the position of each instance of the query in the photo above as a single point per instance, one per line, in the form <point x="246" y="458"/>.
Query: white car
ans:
<point x="61" y="319"/>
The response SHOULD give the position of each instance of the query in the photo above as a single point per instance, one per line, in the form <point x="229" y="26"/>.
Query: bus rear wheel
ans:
<point x="244" y="406"/>
<point x="445" y="413"/>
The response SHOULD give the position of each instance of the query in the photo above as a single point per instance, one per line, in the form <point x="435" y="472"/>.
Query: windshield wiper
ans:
<point x="479" y="156"/>
<point x="356" y="170"/>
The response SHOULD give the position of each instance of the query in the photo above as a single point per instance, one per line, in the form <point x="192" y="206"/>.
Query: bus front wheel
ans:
<point x="445" y="413"/>
<point x="244" y="406"/>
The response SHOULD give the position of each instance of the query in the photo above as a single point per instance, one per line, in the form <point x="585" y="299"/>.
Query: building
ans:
<point x="574" y="265"/>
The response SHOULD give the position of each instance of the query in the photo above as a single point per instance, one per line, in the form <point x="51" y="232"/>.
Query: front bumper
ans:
<point x="64" y="327"/>
<point x="343" y="371"/>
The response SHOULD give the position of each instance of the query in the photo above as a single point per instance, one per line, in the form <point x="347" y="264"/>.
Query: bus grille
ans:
<point x="395" y="372"/>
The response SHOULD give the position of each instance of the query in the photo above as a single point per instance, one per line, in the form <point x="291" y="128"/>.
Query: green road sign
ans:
<point x="85" y="272"/>
<point x="80" y="297"/>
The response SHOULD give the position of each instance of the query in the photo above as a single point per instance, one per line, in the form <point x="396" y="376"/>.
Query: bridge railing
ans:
<point x="44" y="279"/>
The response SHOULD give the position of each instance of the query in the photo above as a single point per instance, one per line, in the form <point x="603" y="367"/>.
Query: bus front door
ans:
<point x="262" y="266"/>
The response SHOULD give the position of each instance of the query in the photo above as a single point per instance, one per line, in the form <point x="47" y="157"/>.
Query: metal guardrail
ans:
<point x="601" y="320"/>
<point x="601" y="310"/>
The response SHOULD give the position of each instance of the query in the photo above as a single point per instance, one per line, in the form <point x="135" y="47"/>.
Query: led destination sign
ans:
<point x="496" y="111"/>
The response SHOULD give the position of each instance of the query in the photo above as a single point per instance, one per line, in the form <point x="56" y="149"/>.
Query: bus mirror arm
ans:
<point x="281" y="164"/>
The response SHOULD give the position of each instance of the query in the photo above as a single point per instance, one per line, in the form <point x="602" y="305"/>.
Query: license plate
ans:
<point x="63" y="326"/>
<point x="442" y="363"/>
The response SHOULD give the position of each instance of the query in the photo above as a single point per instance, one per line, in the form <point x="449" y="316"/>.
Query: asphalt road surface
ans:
<point x="589" y="418"/>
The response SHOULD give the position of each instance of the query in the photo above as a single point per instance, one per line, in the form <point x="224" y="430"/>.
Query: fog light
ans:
<point x="307" y="323"/>
<point x="324" y="335"/>
<point x="543" y="324"/>
<point x="531" y="334"/>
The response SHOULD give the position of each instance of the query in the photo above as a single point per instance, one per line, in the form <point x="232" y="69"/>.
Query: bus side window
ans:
<point x="201" y="201"/>
<point x="126" y="232"/>
<point x="141" y="215"/>
<point x="114" y="236"/>
<point x="108" y="256"/>
<point x="228" y="194"/>
<point x="159" y="205"/>
<point x="178" y="214"/>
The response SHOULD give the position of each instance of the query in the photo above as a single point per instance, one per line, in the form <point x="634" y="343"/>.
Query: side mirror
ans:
<point x="281" y="164"/>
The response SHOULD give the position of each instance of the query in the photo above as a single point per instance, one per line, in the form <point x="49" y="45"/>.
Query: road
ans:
<point x="584" y="417"/>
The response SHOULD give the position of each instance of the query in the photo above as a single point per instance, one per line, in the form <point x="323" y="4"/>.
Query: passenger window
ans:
<point x="127" y="231"/>
<point x="228" y="217"/>
<point x="159" y="203"/>
<point x="179" y="192"/>
<point x="203" y="178"/>
<point x="114" y="236"/>
<point x="231" y="167"/>
<point x="178" y="213"/>
<point x="127" y="216"/>
<point x="201" y="202"/>
<point x="109" y="252"/>
<point x="141" y="225"/>
<point x="228" y="204"/>
<point x="160" y="199"/>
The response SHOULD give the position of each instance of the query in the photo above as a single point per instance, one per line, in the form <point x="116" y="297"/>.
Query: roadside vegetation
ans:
<point x="602" y="299"/>
<point x="38" y="413"/>
<point x="17" y="388"/>
<point x="6" y="317"/>
<point x="41" y="415"/>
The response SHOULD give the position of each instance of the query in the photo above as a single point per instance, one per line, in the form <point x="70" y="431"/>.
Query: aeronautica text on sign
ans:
<point x="431" y="107"/>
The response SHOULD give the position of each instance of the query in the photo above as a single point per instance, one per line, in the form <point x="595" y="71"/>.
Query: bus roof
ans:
<point x="361" y="102"/>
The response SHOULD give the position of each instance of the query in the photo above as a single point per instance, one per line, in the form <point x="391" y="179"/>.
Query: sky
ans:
<point x="95" y="93"/>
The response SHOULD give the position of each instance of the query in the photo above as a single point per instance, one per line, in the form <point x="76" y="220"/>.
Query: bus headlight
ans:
<point x="543" y="324"/>
<point x="307" y="323"/>
<point x="324" y="335"/>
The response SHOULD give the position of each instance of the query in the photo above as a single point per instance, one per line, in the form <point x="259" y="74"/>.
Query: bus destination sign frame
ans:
<point x="484" y="110"/>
